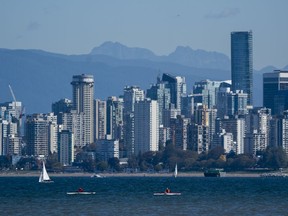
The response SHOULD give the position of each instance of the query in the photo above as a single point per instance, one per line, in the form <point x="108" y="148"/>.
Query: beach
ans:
<point x="121" y="174"/>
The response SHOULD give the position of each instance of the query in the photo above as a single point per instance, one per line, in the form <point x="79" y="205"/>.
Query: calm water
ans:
<point x="134" y="196"/>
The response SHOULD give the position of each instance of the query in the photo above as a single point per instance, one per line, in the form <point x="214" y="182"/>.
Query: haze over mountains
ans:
<point x="39" y="78"/>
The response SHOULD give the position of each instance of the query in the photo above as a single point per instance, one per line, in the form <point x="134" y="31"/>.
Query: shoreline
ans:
<point x="83" y="174"/>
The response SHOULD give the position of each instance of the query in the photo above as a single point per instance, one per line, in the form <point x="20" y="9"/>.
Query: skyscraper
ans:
<point x="132" y="94"/>
<point x="242" y="63"/>
<point x="275" y="91"/>
<point x="146" y="126"/>
<point x="83" y="97"/>
<point x="177" y="86"/>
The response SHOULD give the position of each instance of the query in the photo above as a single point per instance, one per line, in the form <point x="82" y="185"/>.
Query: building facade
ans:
<point x="83" y="101"/>
<point x="242" y="63"/>
<point x="275" y="91"/>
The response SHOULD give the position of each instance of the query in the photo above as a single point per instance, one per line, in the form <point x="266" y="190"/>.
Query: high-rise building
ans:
<point x="179" y="132"/>
<point x="257" y="130"/>
<point x="115" y="108"/>
<point x="242" y="63"/>
<point x="83" y="98"/>
<point x="107" y="149"/>
<point x="236" y="126"/>
<point x="160" y="93"/>
<point x="41" y="134"/>
<point x="65" y="147"/>
<point x="63" y="105"/>
<point x="100" y="119"/>
<point x="208" y="90"/>
<point x="178" y="88"/>
<point x="132" y="94"/>
<point x="275" y="91"/>
<point x="279" y="136"/>
<point x="74" y="122"/>
<point x="146" y="126"/>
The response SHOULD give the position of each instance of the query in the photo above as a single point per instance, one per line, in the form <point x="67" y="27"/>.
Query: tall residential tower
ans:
<point x="242" y="63"/>
<point x="83" y="94"/>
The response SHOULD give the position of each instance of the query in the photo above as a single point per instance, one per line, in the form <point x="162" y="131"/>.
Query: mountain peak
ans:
<point x="120" y="51"/>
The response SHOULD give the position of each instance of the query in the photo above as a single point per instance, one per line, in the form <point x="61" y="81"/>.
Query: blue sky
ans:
<point x="76" y="26"/>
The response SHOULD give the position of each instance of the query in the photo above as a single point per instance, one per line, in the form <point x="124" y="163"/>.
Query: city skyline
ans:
<point x="72" y="27"/>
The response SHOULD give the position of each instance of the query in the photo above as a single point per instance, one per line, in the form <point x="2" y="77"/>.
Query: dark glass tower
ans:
<point x="275" y="91"/>
<point x="242" y="63"/>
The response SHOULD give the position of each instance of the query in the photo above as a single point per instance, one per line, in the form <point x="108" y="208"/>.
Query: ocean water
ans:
<point x="134" y="196"/>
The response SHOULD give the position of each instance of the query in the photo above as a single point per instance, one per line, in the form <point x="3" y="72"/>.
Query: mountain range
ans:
<point x="39" y="78"/>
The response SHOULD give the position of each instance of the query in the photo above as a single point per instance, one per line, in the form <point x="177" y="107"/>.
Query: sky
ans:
<point x="77" y="26"/>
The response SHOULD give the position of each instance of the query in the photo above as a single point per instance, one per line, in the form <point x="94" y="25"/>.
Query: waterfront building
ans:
<point x="198" y="138"/>
<point x="224" y="140"/>
<point x="236" y="126"/>
<point x="41" y="134"/>
<point x="65" y="147"/>
<point x="3" y="136"/>
<point x="242" y="63"/>
<point x="279" y="128"/>
<point x="83" y="98"/>
<point x="107" y="148"/>
<point x="257" y="122"/>
<point x="100" y="119"/>
<point x="275" y="91"/>
<point x="132" y="95"/>
<point x="146" y="126"/>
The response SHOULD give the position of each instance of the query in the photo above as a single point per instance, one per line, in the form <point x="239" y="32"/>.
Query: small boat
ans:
<point x="167" y="194"/>
<point x="96" y="176"/>
<point x="44" y="177"/>
<point x="175" y="171"/>
<point x="81" y="193"/>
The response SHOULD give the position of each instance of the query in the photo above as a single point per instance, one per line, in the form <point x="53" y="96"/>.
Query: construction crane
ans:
<point x="12" y="93"/>
<point x="17" y="117"/>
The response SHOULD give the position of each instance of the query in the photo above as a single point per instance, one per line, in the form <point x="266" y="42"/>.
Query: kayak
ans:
<point x="167" y="194"/>
<point x="80" y="193"/>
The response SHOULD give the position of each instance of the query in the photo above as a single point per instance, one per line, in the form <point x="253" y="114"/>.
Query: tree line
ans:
<point x="162" y="161"/>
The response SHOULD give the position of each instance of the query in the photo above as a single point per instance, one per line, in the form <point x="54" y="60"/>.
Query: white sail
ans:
<point x="175" y="171"/>
<point x="44" y="177"/>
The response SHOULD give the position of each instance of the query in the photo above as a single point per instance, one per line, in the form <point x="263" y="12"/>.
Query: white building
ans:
<point x="83" y="98"/>
<point x="132" y="94"/>
<point x="146" y="126"/>
<point x="100" y="119"/>
<point x="236" y="126"/>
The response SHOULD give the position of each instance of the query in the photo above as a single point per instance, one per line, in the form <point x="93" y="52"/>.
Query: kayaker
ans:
<point x="167" y="190"/>
<point x="80" y="190"/>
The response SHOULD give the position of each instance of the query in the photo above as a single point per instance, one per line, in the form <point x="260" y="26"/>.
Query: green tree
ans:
<point x="274" y="157"/>
<point x="102" y="166"/>
<point x="114" y="163"/>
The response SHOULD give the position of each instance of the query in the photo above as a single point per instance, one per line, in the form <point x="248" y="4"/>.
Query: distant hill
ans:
<point x="39" y="78"/>
<point x="182" y="55"/>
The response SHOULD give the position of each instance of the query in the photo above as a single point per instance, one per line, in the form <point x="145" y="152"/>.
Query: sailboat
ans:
<point x="175" y="171"/>
<point x="44" y="177"/>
